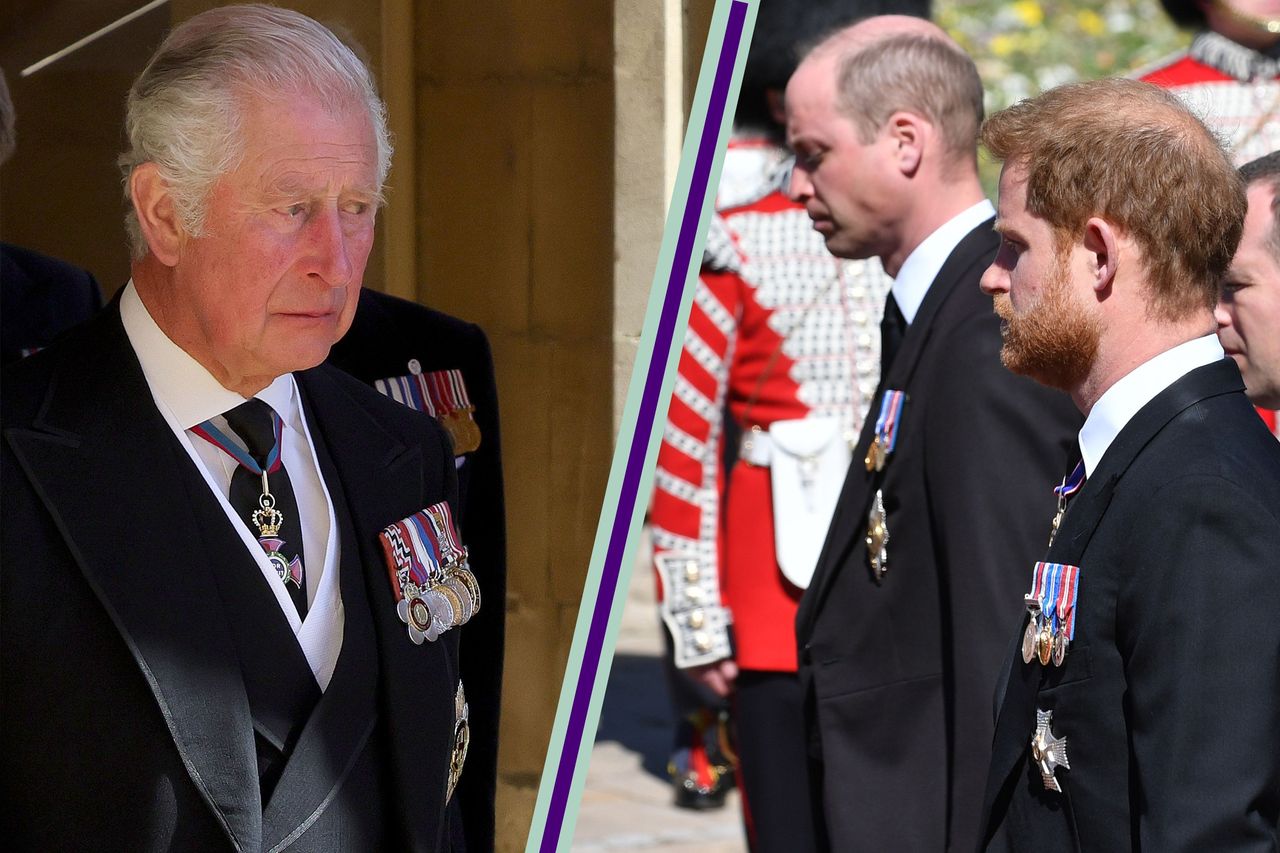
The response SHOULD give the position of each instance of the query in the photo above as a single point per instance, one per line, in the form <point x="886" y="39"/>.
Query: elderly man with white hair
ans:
<point x="232" y="589"/>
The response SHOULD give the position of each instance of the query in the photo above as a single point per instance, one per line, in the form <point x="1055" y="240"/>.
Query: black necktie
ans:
<point x="254" y="422"/>
<point x="893" y="326"/>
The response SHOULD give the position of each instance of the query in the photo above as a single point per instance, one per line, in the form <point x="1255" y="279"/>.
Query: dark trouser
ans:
<point x="773" y="771"/>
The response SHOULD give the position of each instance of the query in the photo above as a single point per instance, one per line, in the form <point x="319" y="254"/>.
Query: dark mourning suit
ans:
<point x="386" y="335"/>
<point x="40" y="297"/>
<point x="153" y="695"/>
<point x="898" y="675"/>
<point x="1169" y="696"/>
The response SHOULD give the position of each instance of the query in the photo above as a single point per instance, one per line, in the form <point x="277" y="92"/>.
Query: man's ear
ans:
<point x="153" y="204"/>
<point x="909" y="132"/>
<point x="1102" y="242"/>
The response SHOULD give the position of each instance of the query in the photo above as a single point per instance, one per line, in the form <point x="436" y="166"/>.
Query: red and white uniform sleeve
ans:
<point x="688" y="482"/>
<point x="779" y="330"/>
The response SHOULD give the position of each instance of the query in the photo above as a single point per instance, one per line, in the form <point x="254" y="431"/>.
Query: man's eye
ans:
<point x="356" y="208"/>
<point x="294" y="210"/>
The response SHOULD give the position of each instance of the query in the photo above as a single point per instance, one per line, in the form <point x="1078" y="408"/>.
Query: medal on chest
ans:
<point x="1051" y="613"/>
<point x="886" y="438"/>
<point x="432" y="581"/>
<point x="1048" y="752"/>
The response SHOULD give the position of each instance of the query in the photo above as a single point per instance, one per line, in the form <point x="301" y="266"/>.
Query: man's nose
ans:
<point x="329" y="248"/>
<point x="800" y="187"/>
<point x="1222" y="314"/>
<point x="995" y="280"/>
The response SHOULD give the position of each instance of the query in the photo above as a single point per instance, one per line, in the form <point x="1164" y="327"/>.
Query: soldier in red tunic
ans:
<point x="778" y="368"/>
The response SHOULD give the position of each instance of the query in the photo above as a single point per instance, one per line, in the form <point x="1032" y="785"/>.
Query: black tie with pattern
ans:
<point x="280" y="535"/>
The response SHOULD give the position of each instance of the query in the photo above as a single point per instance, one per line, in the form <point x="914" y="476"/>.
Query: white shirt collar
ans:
<point x="1121" y="402"/>
<point x="924" y="263"/>
<point x="191" y="393"/>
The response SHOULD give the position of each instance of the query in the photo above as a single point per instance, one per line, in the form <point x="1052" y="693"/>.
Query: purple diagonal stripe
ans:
<point x="644" y="425"/>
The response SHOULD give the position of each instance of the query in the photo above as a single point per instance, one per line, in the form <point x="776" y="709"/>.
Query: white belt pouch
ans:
<point x="807" y="471"/>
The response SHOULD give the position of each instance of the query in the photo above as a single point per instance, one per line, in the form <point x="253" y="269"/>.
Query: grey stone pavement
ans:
<point x="627" y="801"/>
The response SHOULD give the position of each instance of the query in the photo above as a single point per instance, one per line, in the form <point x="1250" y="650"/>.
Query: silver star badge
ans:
<point x="1047" y="751"/>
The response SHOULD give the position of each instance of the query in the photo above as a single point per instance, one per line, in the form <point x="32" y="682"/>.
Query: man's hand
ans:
<point x="718" y="676"/>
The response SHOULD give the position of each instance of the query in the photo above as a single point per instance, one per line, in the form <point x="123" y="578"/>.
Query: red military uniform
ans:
<point x="1236" y="91"/>
<point x="779" y="330"/>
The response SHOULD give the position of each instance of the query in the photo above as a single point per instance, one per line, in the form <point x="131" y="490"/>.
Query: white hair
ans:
<point x="184" y="111"/>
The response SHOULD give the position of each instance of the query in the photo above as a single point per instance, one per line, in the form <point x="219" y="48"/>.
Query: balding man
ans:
<point x="232" y="589"/>
<point x="1248" y="312"/>
<point x="1142" y="711"/>
<point x="900" y="632"/>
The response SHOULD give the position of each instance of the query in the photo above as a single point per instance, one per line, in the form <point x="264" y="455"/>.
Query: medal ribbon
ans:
<point x="419" y="394"/>
<point x="1037" y="582"/>
<point x="398" y="560"/>
<point x="412" y="557"/>
<point x="424" y="550"/>
<point x="442" y="391"/>
<point x="1055" y="586"/>
<point x="439" y="528"/>
<point x="459" y="389"/>
<point x="410" y="390"/>
<point x="448" y="533"/>
<point x="221" y="440"/>
<point x="1071" y="483"/>
<point x="890" y="415"/>
<point x="1066" y="607"/>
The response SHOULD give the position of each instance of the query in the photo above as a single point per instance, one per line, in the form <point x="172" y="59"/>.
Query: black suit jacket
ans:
<point x="898" y="675"/>
<point x="386" y="334"/>
<point x="1169" y="697"/>
<point x="40" y="297"/>
<point x="131" y="717"/>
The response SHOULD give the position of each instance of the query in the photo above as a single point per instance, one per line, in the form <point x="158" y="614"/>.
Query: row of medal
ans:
<point x="430" y="575"/>
<point x="441" y="394"/>
<point x="884" y="443"/>
<point x="1051" y="609"/>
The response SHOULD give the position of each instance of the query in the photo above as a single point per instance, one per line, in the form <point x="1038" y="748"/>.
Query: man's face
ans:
<point x="844" y="184"/>
<point x="1049" y="333"/>
<point x="1243" y="21"/>
<point x="1248" y="312"/>
<point x="274" y="281"/>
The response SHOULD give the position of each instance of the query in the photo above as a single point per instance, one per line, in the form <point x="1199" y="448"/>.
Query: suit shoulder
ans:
<point x="42" y="267"/>
<point x="408" y="424"/>
<point x="419" y="319"/>
<point x="389" y="334"/>
<point x="25" y="383"/>
<point x="1221" y="438"/>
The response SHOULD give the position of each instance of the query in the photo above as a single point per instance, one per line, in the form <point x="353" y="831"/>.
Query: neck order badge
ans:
<point x="270" y="512"/>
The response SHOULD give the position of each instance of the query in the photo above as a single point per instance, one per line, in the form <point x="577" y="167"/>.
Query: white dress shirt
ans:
<point x="925" y="262"/>
<point x="1117" y="406"/>
<point x="187" y="395"/>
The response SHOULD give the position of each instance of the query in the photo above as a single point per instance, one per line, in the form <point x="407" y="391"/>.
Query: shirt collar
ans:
<point x="923" y="264"/>
<point x="181" y="383"/>
<point x="1121" y="402"/>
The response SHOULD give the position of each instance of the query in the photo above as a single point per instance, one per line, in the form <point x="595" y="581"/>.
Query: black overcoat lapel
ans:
<point x="849" y="522"/>
<point x="1016" y="719"/>
<point x="123" y="491"/>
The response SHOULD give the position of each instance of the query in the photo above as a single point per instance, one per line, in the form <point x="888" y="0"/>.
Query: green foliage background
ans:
<point x="1026" y="46"/>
